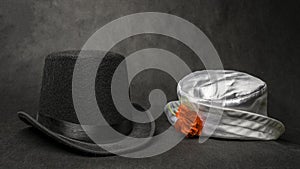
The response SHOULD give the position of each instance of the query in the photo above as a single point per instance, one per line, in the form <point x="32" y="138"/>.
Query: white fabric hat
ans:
<point x="240" y="97"/>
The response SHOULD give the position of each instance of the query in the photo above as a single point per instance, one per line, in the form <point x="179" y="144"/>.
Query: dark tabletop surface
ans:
<point x="25" y="147"/>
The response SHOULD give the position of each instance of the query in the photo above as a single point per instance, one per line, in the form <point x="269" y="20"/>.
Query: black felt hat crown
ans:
<point x="57" y="117"/>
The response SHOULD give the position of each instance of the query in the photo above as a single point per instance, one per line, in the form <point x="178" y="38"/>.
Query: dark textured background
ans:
<point x="260" y="37"/>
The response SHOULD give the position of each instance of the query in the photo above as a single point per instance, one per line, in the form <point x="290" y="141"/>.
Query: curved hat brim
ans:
<point x="139" y="130"/>
<point x="238" y="124"/>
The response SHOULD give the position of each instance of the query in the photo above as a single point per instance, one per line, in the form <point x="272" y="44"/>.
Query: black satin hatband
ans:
<point x="75" y="131"/>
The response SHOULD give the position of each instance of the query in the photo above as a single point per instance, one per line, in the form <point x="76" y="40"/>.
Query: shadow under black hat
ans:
<point x="57" y="117"/>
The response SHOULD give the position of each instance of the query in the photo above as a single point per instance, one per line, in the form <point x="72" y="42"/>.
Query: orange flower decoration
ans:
<point x="188" y="122"/>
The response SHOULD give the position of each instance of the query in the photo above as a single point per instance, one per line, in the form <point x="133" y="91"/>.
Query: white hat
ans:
<point x="240" y="97"/>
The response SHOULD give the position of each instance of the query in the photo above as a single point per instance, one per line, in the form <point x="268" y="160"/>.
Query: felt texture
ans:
<point x="57" y="117"/>
<point x="56" y="98"/>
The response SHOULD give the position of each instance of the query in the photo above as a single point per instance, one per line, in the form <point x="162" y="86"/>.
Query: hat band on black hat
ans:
<point x="76" y="131"/>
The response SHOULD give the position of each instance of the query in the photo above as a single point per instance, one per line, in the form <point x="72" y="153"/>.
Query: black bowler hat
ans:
<point x="57" y="117"/>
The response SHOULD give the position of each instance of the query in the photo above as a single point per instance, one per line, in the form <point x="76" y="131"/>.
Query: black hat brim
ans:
<point x="85" y="148"/>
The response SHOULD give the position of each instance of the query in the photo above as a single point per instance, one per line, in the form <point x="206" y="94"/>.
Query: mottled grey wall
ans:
<point x="260" y="37"/>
